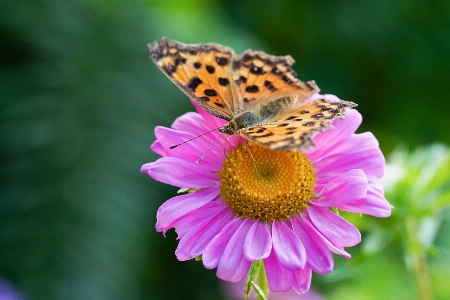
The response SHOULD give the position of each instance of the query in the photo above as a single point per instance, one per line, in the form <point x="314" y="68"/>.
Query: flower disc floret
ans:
<point x="266" y="185"/>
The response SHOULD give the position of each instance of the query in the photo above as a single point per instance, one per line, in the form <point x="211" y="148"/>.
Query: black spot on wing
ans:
<point x="193" y="84"/>
<point x="256" y="70"/>
<point x="252" y="89"/>
<point x="277" y="71"/>
<point x="317" y="116"/>
<point x="270" y="86"/>
<point x="222" y="61"/>
<point x="266" y="135"/>
<point x="223" y="81"/>
<point x="197" y="65"/>
<point x="236" y="65"/>
<point x="210" y="69"/>
<point x="210" y="92"/>
<point x="170" y="69"/>
<point x="309" y="86"/>
<point x="180" y="60"/>
<point x="286" y="79"/>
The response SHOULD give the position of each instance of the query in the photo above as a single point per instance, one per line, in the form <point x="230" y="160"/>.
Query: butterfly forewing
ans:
<point x="261" y="78"/>
<point x="295" y="129"/>
<point x="202" y="71"/>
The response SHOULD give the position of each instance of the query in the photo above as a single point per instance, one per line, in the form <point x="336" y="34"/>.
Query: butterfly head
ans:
<point x="229" y="129"/>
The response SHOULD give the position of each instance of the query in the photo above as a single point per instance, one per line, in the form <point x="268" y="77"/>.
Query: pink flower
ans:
<point x="281" y="214"/>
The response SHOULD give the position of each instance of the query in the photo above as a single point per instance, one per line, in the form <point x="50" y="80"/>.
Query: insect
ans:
<point x="257" y="93"/>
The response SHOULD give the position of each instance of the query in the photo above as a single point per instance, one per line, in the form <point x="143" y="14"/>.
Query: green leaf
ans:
<point x="259" y="291"/>
<point x="252" y="274"/>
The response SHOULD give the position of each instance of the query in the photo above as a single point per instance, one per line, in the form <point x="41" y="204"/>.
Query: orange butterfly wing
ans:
<point x="262" y="78"/>
<point x="295" y="129"/>
<point x="202" y="71"/>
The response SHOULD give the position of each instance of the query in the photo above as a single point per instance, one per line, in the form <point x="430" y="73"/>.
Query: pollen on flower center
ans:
<point x="282" y="187"/>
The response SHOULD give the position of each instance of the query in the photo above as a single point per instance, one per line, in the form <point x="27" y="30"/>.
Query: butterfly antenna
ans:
<point x="254" y="161"/>
<point x="203" y="156"/>
<point x="187" y="141"/>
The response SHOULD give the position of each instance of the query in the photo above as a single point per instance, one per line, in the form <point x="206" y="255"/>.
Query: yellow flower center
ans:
<point x="281" y="187"/>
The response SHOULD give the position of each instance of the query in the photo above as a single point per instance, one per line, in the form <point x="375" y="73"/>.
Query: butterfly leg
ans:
<point x="251" y="155"/>
<point x="204" y="154"/>
<point x="225" y="147"/>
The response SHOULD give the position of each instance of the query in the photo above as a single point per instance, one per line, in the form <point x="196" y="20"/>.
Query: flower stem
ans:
<point x="418" y="259"/>
<point x="262" y="282"/>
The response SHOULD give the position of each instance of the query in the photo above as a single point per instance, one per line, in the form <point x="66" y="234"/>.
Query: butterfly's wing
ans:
<point x="261" y="78"/>
<point x="202" y="71"/>
<point x="295" y="129"/>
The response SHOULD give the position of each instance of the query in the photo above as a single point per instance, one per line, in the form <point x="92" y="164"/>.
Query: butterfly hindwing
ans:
<point x="295" y="130"/>
<point x="261" y="78"/>
<point x="202" y="71"/>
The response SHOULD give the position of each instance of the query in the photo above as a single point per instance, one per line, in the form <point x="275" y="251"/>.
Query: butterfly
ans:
<point x="257" y="93"/>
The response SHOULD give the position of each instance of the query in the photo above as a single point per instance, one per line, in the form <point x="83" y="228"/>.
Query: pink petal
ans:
<point x="340" y="232"/>
<point x="158" y="148"/>
<point x="376" y="185"/>
<point x="373" y="204"/>
<point x="178" y="206"/>
<point x="302" y="280"/>
<point x="232" y="265"/>
<point x="192" y="151"/>
<point x="212" y="121"/>
<point x="365" y="140"/>
<point x="349" y="187"/>
<point x="190" y="220"/>
<point x="325" y="141"/>
<point x="211" y="231"/>
<point x="201" y="235"/>
<point x="258" y="242"/>
<point x="371" y="161"/>
<point x="190" y="122"/>
<point x="214" y="251"/>
<point x="319" y="257"/>
<point x="288" y="247"/>
<point x="215" y="122"/>
<point x="335" y="249"/>
<point x="279" y="278"/>
<point x="330" y="246"/>
<point x="178" y="172"/>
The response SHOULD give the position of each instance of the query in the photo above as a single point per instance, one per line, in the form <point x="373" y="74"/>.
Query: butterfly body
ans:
<point x="257" y="93"/>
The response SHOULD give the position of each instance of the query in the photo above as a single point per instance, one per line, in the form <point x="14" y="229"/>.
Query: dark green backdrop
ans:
<point x="79" y="100"/>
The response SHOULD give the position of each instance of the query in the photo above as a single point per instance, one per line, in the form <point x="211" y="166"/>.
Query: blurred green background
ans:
<point x="79" y="100"/>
